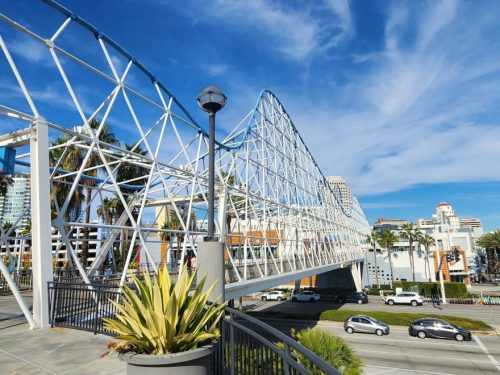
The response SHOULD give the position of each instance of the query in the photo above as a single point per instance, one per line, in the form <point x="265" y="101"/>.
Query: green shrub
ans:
<point x="453" y="290"/>
<point x="332" y="349"/>
<point x="251" y="360"/>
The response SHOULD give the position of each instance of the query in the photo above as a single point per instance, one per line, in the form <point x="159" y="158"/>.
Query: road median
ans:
<point x="398" y="319"/>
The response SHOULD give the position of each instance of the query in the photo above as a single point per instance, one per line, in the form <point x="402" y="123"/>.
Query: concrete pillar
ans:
<point x="41" y="252"/>
<point x="297" y="285"/>
<point x="211" y="264"/>
<point x="356" y="276"/>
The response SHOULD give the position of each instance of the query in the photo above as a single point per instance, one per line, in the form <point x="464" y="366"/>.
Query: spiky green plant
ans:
<point x="162" y="317"/>
<point x="332" y="349"/>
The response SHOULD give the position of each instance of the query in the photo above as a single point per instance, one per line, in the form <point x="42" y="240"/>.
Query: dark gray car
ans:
<point x="437" y="328"/>
<point x="365" y="324"/>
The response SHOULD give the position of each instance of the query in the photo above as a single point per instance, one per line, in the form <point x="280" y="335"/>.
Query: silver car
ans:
<point x="365" y="324"/>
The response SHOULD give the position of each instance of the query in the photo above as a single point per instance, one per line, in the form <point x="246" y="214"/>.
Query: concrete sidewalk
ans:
<point x="54" y="351"/>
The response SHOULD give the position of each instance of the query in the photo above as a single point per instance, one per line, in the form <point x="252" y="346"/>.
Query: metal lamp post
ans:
<point x="211" y="252"/>
<point x="211" y="99"/>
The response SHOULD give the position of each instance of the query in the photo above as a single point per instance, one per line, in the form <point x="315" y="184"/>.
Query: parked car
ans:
<point x="437" y="328"/>
<point x="306" y="296"/>
<point x="409" y="298"/>
<point x="366" y="324"/>
<point x="356" y="297"/>
<point x="274" y="295"/>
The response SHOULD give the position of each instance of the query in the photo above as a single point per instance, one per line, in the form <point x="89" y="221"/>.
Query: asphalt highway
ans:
<point x="488" y="314"/>
<point x="399" y="353"/>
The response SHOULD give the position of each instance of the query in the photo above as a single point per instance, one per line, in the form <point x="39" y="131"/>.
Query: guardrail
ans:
<point x="247" y="345"/>
<point x="23" y="279"/>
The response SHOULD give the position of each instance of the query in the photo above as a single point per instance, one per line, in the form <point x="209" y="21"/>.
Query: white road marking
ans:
<point x="485" y="350"/>
<point x="422" y="355"/>
<point x="391" y="369"/>
<point x="414" y="341"/>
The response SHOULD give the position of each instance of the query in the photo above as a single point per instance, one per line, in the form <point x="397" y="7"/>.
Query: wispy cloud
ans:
<point x="295" y="32"/>
<point x="216" y="69"/>
<point x="425" y="112"/>
<point x="30" y="50"/>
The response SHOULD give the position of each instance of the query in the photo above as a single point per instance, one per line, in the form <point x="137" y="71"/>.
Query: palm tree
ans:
<point x="426" y="241"/>
<point x="71" y="160"/>
<point x="410" y="234"/>
<point x="387" y="239"/>
<point x="491" y="242"/>
<point x="130" y="172"/>
<point x="94" y="160"/>
<point x="5" y="182"/>
<point x="106" y="211"/>
<point x="372" y="240"/>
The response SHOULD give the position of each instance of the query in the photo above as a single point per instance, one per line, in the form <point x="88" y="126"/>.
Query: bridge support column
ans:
<point x="297" y="285"/>
<point x="356" y="276"/>
<point x="40" y="222"/>
<point x="211" y="264"/>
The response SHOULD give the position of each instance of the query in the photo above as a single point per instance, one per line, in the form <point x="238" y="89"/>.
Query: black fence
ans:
<point x="82" y="306"/>
<point x="247" y="345"/>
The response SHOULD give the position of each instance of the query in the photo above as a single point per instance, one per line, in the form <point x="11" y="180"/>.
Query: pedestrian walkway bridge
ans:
<point x="118" y="170"/>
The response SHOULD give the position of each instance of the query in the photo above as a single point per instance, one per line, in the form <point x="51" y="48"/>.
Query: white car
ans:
<point x="275" y="295"/>
<point x="305" y="296"/>
<point x="409" y="298"/>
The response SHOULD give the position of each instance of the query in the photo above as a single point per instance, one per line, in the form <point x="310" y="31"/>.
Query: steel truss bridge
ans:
<point x="277" y="215"/>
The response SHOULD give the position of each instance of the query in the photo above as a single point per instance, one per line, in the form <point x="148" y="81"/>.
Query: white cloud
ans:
<point x="425" y="112"/>
<point x="216" y="69"/>
<point x="30" y="50"/>
<point x="295" y="32"/>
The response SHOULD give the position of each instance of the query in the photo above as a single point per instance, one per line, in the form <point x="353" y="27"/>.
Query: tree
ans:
<point x="372" y="240"/>
<point x="387" y="239"/>
<point x="410" y="233"/>
<point x="67" y="158"/>
<point x="130" y="174"/>
<point x="94" y="160"/>
<point x="426" y="241"/>
<point x="5" y="182"/>
<point x="491" y="242"/>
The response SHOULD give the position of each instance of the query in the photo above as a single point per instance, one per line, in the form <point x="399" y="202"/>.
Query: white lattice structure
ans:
<point x="276" y="214"/>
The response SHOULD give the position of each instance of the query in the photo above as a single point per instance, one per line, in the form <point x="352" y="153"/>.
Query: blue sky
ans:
<point x="400" y="98"/>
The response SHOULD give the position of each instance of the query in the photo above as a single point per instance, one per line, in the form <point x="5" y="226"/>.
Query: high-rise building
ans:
<point x="339" y="186"/>
<point x="15" y="203"/>
<point x="445" y="214"/>
<point x="474" y="225"/>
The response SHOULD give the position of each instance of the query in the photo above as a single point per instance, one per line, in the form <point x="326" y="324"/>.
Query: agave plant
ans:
<point x="162" y="317"/>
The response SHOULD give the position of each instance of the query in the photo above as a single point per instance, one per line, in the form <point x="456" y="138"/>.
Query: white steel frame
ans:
<point x="276" y="213"/>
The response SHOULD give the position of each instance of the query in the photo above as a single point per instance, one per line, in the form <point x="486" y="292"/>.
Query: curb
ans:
<point x="494" y="332"/>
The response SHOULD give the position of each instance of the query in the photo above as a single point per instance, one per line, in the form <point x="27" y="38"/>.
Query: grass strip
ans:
<point x="401" y="319"/>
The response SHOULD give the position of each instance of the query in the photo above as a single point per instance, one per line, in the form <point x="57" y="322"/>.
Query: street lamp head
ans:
<point x="211" y="99"/>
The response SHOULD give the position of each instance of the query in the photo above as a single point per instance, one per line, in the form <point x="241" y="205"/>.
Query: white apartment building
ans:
<point x="337" y="183"/>
<point x="449" y="231"/>
<point x="445" y="214"/>
<point x="474" y="225"/>
<point x="15" y="204"/>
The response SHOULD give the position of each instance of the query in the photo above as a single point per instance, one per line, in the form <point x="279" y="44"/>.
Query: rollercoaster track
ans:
<point x="227" y="145"/>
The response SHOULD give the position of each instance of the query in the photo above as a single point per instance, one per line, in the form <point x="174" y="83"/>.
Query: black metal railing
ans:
<point x="247" y="345"/>
<point x="82" y="306"/>
<point x="22" y="278"/>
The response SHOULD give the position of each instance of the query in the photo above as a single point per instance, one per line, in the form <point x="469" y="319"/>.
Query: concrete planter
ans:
<point x="192" y="362"/>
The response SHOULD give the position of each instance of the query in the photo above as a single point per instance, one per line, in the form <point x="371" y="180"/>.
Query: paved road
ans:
<point x="488" y="314"/>
<point x="401" y="354"/>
